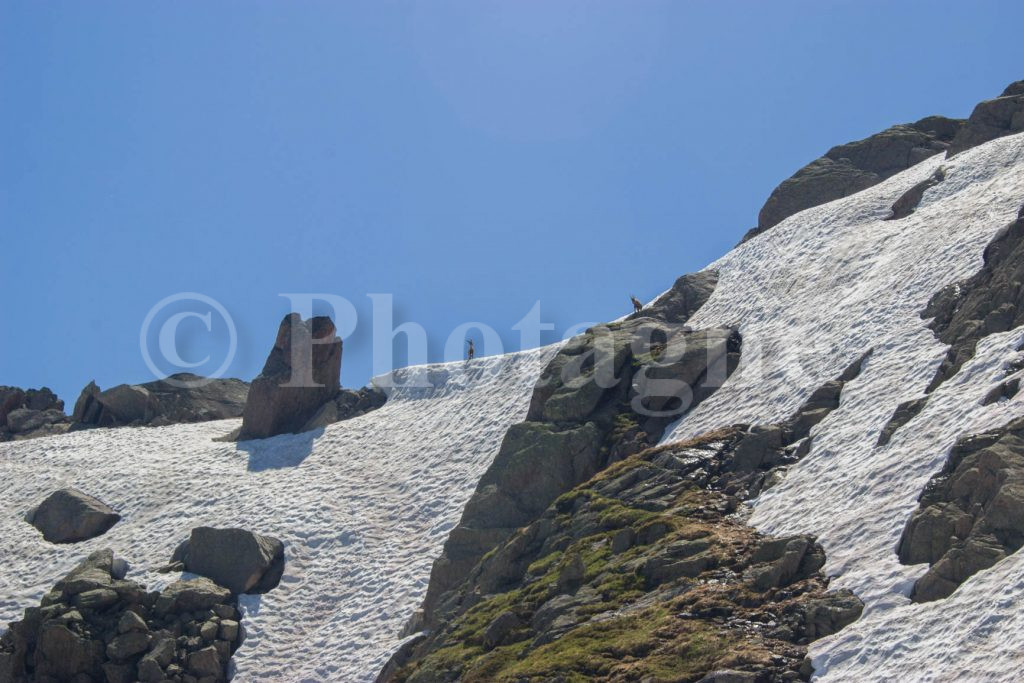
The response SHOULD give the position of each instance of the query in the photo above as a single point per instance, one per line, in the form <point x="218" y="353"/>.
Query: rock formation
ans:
<point x="29" y="413"/>
<point x="971" y="514"/>
<point x="179" y="398"/>
<point x="69" y="516"/>
<point x="96" y="626"/>
<point x="855" y="166"/>
<point x="992" y="119"/>
<point x="237" y="559"/>
<point x="302" y="374"/>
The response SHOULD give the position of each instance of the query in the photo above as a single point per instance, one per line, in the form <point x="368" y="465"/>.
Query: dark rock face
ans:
<point x="971" y="514"/>
<point x="855" y="166"/>
<point x="96" y="626"/>
<point x="177" y="399"/>
<point x="992" y="119"/>
<point x="904" y="413"/>
<point x="69" y="516"/>
<point x="302" y="373"/>
<point x="645" y="552"/>
<point x="906" y="204"/>
<point x="608" y="393"/>
<point x="30" y="413"/>
<point x="237" y="559"/>
<point x="989" y="301"/>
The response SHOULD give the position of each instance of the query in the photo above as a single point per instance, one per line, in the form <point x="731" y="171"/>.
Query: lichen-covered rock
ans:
<point x="69" y="516"/>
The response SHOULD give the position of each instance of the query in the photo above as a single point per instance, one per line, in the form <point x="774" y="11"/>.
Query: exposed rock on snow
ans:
<point x="904" y="413"/>
<point x="183" y="397"/>
<point x="971" y="514"/>
<point x="302" y="373"/>
<point x="95" y="625"/>
<point x="992" y="119"/>
<point x="909" y="200"/>
<point x="598" y="401"/>
<point x="348" y="404"/>
<point x="69" y="516"/>
<point x="687" y="294"/>
<point x="990" y="301"/>
<point x="237" y="559"/>
<point x="855" y="166"/>
<point x="640" y="570"/>
<point x="30" y="413"/>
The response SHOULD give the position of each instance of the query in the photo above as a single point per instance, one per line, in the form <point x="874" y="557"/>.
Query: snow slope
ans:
<point x="810" y="296"/>
<point x="363" y="507"/>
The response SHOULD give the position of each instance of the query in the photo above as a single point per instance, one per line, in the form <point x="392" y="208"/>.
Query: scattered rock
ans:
<point x="302" y="373"/>
<point x="500" y="629"/>
<point x="906" y="204"/>
<point x="69" y="516"/>
<point x="904" y="413"/>
<point x="239" y="560"/>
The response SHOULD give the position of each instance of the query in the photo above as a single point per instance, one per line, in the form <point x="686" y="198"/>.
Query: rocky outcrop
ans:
<point x="30" y="413"/>
<point x="607" y="394"/>
<point x="96" y="626"/>
<point x="301" y="375"/>
<point x="989" y="301"/>
<point x="237" y="559"/>
<point x="992" y="119"/>
<point x="69" y="516"/>
<point x="688" y="293"/>
<point x="642" y="570"/>
<point x="180" y="398"/>
<point x="855" y="166"/>
<point x="971" y="514"/>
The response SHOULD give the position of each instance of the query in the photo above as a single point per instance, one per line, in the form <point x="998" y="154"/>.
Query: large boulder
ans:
<point x="239" y="560"/>
<point x="69" y="516"/>
<point x="302" y="373"/>
<point x="855" y="166"/>
<point x="180" y="398"/>
<point x="992" y="119"/>
<point x="29" y="413"/>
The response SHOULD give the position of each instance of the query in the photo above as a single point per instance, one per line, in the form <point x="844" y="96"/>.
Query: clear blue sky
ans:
<point x="469" y="158"/>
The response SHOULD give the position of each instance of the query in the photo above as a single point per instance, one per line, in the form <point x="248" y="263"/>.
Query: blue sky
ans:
<point x="470" y="159"/>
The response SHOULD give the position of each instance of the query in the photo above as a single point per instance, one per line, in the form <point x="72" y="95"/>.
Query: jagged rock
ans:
<point x="989" y="301"/>
<point x="855" y="166"/>
<point x="992" y="119"/>
<point x="301" y="374"/>
<point x="904" y="413"/>
<point x="205" y="662"/>
<point x="971" y="514"/>
<point x="687" y="295"/>
<point x="69" y="516"/>
<point x="30" y="413"/>
<point x="179" y="398"/>
<point x="1002" y="392"/>
<point x="128" y="644"/>
<point x="26" y="420"/>
<point x="239" y="560"/>
<point x="130" y="621"/>
<point x="729" y="676"/>
<point x="909" y="200"/>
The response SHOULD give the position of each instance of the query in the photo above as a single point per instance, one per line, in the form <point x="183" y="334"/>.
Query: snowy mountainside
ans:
<point x="363" y="507"/>
<point x="813" y="294"/>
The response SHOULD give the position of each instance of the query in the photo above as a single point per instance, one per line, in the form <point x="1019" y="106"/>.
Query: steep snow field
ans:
<point x="810" y="296"/>
<point x="363" y="507"/>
